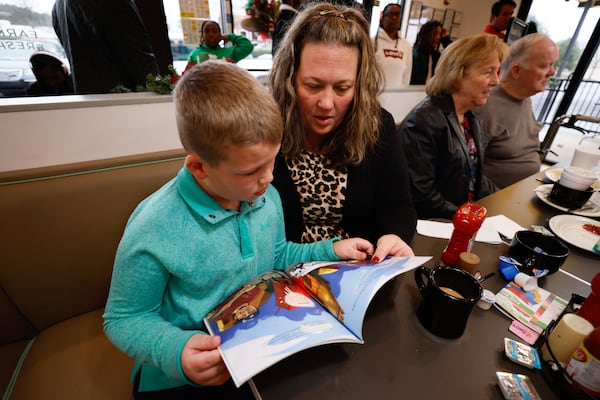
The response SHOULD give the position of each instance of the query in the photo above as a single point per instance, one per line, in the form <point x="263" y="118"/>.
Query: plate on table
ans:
<point x="576" y="230"/>
<point x="589" y="209"/>
<point x="554" y="175"/>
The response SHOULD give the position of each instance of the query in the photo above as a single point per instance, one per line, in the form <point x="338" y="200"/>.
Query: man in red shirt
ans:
<point x="502" y="12"/>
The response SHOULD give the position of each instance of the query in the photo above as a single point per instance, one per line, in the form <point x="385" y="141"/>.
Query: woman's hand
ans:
<point x="353" y="249"/>
<point x="201" y="361"/>
<point x="391" y="245"/>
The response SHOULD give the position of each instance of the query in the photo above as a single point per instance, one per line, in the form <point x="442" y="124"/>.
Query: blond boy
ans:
<point x="208" y="231"/>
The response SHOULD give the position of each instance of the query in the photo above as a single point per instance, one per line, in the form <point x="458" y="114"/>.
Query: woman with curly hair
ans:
<point x="425" y="53"/>
<point x="342" y="170"/>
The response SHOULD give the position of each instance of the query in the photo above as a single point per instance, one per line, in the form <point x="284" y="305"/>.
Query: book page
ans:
<point x="535" y="309"/>
<point x="346" y="288"/>
<point x="267" y="320"/>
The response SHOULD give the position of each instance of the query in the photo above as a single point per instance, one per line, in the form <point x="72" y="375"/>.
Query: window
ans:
<point x="23" y="31"/>
<point x="184" y="32"/>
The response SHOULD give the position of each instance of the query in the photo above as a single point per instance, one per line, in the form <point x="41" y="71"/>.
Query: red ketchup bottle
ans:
<point x="467" y="221"/>
<point x="590" y="309"/>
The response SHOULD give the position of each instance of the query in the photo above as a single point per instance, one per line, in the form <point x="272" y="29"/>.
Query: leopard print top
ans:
<point x="322" y="193"/>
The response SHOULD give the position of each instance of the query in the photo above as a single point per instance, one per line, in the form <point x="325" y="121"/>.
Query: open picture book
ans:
<point x="280" y="313"/>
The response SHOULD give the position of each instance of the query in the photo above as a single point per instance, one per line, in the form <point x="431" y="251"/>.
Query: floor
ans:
<point x="564" y="145"/>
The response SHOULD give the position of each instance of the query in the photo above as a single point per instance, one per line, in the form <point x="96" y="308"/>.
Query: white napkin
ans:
<point x="488" y="233"/>
<point x="505" y="225"/>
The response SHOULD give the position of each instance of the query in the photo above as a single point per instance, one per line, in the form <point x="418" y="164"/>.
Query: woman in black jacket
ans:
<point x="442" y="136"/>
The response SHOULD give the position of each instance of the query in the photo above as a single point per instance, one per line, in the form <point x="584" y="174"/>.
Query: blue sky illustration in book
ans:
<point x="273" y="317"/>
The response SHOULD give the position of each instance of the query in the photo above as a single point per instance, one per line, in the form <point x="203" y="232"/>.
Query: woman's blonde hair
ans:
<point x="218" y="104"/>
<point x="324" y="23"/>
<point x="460" y="55"/>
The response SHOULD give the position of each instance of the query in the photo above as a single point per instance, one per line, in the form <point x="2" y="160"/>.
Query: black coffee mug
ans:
<point x="448" y="299"/>
<point x="570" y="198"/>
<point x="535" y="250"/>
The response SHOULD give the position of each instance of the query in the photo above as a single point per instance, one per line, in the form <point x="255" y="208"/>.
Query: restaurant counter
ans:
<point x="400" y="359"/>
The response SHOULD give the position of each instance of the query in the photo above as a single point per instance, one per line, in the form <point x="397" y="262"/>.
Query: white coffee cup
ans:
<point x="585" y="157"/>
<point x="577" y="178"/>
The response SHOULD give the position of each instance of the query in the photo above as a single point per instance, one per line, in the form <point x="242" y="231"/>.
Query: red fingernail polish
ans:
<point x="375" y="259"/>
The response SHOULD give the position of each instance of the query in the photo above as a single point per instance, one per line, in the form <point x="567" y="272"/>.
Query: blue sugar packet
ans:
<point x="522" y="354"/>
<point x="516" y="386"/>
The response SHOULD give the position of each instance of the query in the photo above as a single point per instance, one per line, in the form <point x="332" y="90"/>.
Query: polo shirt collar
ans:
<point x="204" y="205"/>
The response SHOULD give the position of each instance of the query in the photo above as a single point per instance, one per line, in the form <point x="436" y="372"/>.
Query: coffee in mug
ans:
<point x="449" y="295"/>
<point x="451" y="292"/>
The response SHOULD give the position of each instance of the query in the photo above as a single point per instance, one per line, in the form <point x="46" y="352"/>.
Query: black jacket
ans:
<point x="438" y="158"/>
<point x="284" y="20"/>
<point x="420" y="66"/>
<point x="106" y="44"/>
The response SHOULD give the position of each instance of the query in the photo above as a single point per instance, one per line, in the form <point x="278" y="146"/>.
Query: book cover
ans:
<point x="535" y="308"/>
<point x="279" y="313"/>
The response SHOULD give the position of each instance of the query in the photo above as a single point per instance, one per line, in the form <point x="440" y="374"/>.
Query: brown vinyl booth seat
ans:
<point x="60" y="229"/>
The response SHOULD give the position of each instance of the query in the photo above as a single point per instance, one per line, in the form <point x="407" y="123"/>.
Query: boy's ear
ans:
<point x="196" y="165"/>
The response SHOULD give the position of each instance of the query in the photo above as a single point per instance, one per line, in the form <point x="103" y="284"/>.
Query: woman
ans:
<point x="342" y="170"/>
<point x="425" y="52"/>
<point x="442" y="136"/>
<point x="210" y="46"/>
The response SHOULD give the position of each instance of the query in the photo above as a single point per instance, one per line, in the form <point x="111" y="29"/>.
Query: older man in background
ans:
<point x="511" y="132"/>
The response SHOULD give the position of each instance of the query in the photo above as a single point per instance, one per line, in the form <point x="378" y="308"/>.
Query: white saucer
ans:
<point x="543" y="191"/>
<point x="554" y="175"/>
<point x="570" y="229"/>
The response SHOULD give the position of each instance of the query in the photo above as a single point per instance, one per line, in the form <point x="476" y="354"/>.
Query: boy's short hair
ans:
<point x="219" y="104"/>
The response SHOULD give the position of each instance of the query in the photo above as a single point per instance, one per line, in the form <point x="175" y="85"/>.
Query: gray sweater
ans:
<point x="510" y="138"/>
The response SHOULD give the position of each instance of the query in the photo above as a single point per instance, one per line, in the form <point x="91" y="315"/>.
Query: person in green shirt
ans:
<point x="210" y="47"/>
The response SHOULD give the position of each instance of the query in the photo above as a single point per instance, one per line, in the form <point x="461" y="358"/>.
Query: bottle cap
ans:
<point x="468" y="261"/>
<point x="508" y="267"/>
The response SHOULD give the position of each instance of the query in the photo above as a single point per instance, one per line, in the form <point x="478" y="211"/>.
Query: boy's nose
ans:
<point x="266" y="178"/>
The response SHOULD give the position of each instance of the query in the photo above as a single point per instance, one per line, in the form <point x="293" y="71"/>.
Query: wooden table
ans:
<point x="402" y="360"/>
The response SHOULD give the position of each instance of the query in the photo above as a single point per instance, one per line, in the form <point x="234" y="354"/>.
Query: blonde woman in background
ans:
<point x="443" y="137"/>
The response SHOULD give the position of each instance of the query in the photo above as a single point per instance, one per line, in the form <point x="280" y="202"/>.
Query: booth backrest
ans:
<point x="60" y="230"/>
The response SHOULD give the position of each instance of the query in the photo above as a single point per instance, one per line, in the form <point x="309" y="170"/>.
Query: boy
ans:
<point x="203" y="234"/>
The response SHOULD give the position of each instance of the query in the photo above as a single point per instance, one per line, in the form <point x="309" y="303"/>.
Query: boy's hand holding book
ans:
<point x="201" y="361"/>
<point x="353" y="249"/>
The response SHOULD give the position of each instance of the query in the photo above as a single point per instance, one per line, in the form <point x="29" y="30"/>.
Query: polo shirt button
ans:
<point x="213" y="216"/>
